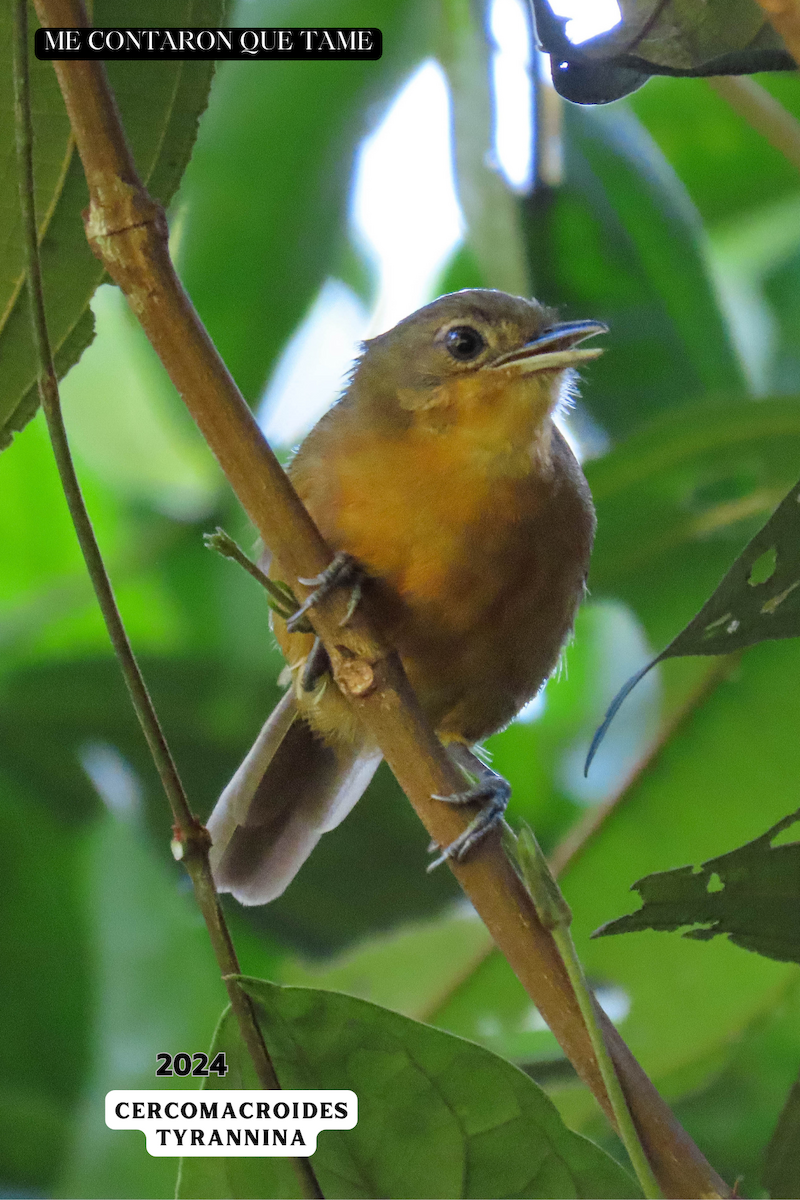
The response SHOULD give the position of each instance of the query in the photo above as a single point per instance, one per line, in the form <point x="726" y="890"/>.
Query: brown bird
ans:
<point x="441" y="475"/>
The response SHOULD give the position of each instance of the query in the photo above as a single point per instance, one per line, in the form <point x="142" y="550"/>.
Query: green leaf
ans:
<point x="678" y="500"/>
<point x="127" y="421"/>
<point x="404" y="969"/>
<point x="716" y="781"/>
<point x="437" y="1116"/>
<point x="160" y="104"/>
<point x="706" y="142"/>
<point x="749" y="893"/>
<point x="782" y="1165"/>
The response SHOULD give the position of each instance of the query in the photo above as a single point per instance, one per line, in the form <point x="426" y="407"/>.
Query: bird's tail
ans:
<point x="290" y="789"/>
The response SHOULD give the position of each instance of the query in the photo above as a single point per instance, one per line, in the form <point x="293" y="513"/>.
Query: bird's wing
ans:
<point x="289" y="790"/>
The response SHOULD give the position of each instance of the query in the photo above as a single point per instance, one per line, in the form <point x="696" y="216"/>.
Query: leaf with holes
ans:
<point x="752" y="894"/>
<point x="759" y="598"/>
<point x="160" y="104"/>
<point x="757" y="601"/>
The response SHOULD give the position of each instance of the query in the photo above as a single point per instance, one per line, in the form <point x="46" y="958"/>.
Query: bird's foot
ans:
<point x="342" y="571"/>
<point x="490" y="790"/>
<point x="317" y="664"/>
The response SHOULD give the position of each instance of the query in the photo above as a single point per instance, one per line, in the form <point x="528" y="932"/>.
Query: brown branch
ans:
<point x="580" y="835"/>
<point x="785" y="17"/>
<point x="127" y="230"/>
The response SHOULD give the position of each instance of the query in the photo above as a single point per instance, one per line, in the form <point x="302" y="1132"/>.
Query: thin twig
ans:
<point x="576" y="840"/>
<point x="280" y="597"/>
<point x="127" y="230"/>
<point x="191" y="838"/>
<point x="762" y="111"/>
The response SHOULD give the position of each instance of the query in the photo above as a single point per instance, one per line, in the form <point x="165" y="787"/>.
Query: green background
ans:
<point x="677" y="225"/>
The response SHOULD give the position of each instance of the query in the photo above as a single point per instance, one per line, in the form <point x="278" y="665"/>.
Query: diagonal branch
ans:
<point x="128" y="232"/>
<point x="762" y="111"/>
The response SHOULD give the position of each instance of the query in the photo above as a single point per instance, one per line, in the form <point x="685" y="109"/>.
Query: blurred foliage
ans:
<point x="677" y="224"/>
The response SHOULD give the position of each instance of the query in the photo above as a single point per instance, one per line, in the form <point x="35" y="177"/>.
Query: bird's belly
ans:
<point x="473" y="679"/>
<point x="475" y="579"/>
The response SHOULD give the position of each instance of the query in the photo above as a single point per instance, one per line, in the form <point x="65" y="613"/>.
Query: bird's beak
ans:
<point x="553" y="350"/>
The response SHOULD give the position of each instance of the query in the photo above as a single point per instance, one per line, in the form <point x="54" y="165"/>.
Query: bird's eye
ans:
<point x="464" y="342"/>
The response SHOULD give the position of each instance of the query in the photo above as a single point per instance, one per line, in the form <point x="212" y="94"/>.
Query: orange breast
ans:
<point x="424" y="518"/>
<point x="480" y="571"/>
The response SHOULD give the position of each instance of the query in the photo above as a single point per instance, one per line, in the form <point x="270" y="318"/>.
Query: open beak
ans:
<point x="554" y="349"/>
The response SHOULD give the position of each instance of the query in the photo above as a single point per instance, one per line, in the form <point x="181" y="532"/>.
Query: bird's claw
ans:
<point x="343" y="570"/>
<point x="317" y="664"/>
<point x="492" y="793"/>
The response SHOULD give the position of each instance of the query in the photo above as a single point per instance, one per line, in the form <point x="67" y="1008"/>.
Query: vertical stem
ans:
<point x="556" y="915"/>
<point x="193" y="839"/>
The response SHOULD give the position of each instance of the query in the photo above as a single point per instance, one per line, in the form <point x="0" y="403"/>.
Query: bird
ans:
<point x="458" y="512"/>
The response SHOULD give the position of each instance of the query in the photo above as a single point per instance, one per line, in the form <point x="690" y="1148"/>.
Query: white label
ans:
<point x="231" y="1124"/>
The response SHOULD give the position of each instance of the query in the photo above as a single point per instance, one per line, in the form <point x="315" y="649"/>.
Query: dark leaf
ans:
<point x="725" y="37"/>
<point x="781" y="1174"/>
<point x="575" y="79"/>
<point x="752" y="894"/>
<point x="438" y="1116"/>
<point x="757" y="601"/>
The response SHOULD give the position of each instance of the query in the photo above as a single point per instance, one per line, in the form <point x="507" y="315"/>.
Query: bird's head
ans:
<point x="479" y="362"/>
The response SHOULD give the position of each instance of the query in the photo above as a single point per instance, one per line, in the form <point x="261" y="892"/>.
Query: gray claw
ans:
<point x="342" y="570"/>
<point x="492" y="793"/>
